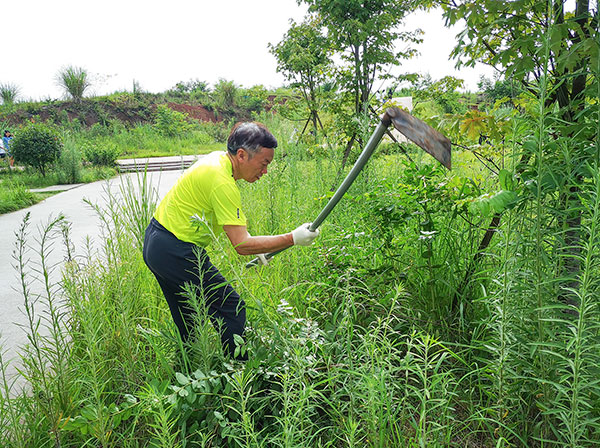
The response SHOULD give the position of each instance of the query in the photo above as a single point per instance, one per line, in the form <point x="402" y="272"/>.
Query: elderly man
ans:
<point x="204" y="201"/>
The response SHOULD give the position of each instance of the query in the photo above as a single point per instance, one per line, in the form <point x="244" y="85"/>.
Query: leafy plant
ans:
<point x="364" y="34"/>
<point x="38" y="146"/>
<point x="303" y="56"/>
<point x="100" y="154"/>
<point x="170" y="123"/>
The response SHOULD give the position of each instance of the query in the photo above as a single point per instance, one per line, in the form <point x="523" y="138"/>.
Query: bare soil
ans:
<point x="89" y="112"/>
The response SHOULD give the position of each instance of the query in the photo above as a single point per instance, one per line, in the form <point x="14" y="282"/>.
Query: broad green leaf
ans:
<point x="502" y="200"/>
<point x="181" y="378"/>
<point x="506" y="180"/>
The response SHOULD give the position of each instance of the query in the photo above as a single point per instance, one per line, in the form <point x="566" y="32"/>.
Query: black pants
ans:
<point x="175" y="263"/>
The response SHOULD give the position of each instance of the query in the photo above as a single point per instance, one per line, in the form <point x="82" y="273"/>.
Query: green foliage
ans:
<point x="69" y="166"/>
<point x="14" y="195"/>
<point x="499" y="90"/>
<point x="365" y="36"/>
<point x="303" y="54"/>
<point x="225" y="95"/>
<point x="9" y="93"/>
<point x="191" y="86"/>
<point x="74" y="81"/>
<point x="218" y="131"/>
<point x="303" y="57"/>
<point x="100" y="154"/>
<point x="511" y="36"/>
<point x="253" y="100"/>
<point x="170" y="123"/>
<point x="444" y="92"/>
<point x="38" y="146"/>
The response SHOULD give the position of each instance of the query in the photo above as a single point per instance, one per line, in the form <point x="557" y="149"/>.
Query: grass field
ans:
<point x="370" y="337"/>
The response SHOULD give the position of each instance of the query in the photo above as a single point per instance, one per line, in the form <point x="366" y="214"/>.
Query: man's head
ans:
<point x="250" y="136"/>
<point x="251" y="148"/>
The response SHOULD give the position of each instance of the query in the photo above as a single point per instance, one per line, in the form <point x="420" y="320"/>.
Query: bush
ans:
<point x="38" y="146"/>
<point x="254" y="99"/>
<point x="100" y="155"/>
<point x="171" y="123"/>
<point x="218" y="131"/>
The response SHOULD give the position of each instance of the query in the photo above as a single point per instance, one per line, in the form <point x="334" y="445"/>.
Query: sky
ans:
<point x="158" y="43"/>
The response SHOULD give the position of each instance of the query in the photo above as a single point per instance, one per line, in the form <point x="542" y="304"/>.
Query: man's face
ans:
<point x="254" y="166"/>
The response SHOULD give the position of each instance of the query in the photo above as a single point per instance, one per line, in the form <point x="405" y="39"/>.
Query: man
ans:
<point x="204" y="201"/>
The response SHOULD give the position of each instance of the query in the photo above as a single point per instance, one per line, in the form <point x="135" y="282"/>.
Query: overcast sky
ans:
<point x="159" y="43"/>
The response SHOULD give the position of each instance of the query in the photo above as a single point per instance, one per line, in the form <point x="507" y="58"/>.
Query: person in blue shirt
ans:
<point x="6" y="140"/>
<point x="6" y="143"/>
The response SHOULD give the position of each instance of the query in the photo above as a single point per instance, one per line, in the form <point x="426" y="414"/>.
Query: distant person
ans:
<point x="205" y="201"/>
<point x="3" y="153"/>
<point x="6" y="146"/>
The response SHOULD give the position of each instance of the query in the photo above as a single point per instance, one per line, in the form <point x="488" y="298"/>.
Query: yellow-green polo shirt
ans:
<point x="202" y="201"/>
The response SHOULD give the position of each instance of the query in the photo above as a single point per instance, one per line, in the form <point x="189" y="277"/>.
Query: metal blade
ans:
<point x="422" y="134"/>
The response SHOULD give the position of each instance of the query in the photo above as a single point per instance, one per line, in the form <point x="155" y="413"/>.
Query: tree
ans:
<point x="364" y="33"/>
<point x="443" y="92"/>
<point x="554" y="54"/>
<point x="74" y="81"/>
<point x="498" y="89"/>
<point x="508" y="36"/>
<point x="303" y="57"/>
<point x="38" y="146"/>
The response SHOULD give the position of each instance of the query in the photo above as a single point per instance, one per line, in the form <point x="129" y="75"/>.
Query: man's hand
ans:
<point x="303" y="236"/>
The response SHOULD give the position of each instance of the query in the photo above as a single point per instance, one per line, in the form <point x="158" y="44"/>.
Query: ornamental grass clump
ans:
<point x="9" y="93"/>
<point x="74" y="81"/>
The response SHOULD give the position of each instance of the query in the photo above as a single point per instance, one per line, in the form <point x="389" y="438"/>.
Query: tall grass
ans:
<point x="352" y="341"/>
<point x="144" y="141"/>
<point x="9" y="93"/>
<point x="74" y="81"/>
<point x="14" y="196"/>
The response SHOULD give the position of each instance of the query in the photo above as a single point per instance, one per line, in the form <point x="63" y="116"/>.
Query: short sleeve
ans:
<point x="227" y="206"/>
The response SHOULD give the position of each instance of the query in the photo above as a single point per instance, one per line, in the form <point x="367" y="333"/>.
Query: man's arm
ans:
<point x="245" y="244"/>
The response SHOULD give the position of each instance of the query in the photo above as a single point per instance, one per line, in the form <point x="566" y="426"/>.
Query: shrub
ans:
<point x="104" y="155"/>
<point x="254" y="99"/>
<point x="38" y="146"/>
<point x="218" y="131"/>
<point x="226" y="94"/>
<point x="171" y="123"/>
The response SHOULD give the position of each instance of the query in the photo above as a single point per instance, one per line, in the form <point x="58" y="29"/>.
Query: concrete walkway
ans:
<point x="85" y="223"/>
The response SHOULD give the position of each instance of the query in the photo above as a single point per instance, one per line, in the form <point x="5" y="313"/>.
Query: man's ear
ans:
<point x="242" y="154"/>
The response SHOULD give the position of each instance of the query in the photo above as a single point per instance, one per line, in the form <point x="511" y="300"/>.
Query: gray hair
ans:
<point x="250" y="136"/>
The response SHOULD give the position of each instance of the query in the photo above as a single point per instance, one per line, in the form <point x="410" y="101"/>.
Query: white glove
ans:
<point x="262" y="260"/>
<point x="303" y="236"/>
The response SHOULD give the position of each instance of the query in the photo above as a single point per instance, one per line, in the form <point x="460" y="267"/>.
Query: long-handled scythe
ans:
<point x="414" y="129"/>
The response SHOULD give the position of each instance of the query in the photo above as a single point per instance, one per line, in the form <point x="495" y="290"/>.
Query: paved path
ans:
<point x="84" y="223"/>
